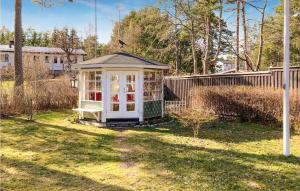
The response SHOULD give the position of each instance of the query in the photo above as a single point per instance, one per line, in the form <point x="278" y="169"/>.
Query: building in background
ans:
<point x="54" y="58"/>
<point x="226" y="63"/>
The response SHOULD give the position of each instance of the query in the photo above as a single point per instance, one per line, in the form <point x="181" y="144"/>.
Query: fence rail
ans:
<point x="177" y="88"/>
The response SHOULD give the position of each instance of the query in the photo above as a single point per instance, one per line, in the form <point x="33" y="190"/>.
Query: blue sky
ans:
<point x="80" y="15"/>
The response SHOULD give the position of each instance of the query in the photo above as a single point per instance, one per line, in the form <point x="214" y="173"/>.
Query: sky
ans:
<point x="80" y="15"/>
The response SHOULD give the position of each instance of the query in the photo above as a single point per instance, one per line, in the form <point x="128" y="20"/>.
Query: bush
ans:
<point x="194" y="119"/>
<point x="38" y="96"/>
<point x="246" y="103"/>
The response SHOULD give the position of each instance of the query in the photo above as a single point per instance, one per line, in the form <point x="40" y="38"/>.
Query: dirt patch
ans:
<point x="125" y="151"/>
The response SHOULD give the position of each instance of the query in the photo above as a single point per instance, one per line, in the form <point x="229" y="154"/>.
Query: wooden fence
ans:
<point x="177" y="88"/>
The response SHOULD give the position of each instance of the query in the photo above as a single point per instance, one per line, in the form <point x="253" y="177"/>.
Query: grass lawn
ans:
<point x="52" y="154"/>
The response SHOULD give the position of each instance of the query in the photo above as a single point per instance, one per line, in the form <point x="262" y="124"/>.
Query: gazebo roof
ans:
<point x="119" y="60"/>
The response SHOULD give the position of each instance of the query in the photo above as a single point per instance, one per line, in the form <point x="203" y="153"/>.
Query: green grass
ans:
<point x="52" y="154"/>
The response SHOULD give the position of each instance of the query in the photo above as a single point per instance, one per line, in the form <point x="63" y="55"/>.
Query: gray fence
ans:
<point x="177" y="88"/>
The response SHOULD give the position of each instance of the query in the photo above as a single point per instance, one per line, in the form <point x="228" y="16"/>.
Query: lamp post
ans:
<point x="286" y="85"/>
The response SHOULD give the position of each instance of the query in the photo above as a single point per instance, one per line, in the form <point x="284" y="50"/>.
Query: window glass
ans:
<point x="115" y="107"/>
<point x="6" y="58"/>
<point x="130" y="88"/>
<point x="130" y="78"/>
<point x="130" y="107"/>
<point x="153" y="86"/>
<point x="46" y="59"/>
<point x="92" y="86"/>
<point x="55" y="60"/>
<point x="130" y="97"/>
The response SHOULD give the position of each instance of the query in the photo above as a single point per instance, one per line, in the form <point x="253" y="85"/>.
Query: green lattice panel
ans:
<point x="152" y="109"/>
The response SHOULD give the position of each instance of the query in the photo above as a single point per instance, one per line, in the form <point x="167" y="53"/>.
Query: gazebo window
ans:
<point x="93" y="89"/>
<point x="152" y="86"/>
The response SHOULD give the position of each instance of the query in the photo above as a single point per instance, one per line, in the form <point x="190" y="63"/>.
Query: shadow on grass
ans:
<point x="63" y="145"/>
<point x="221" y="169"/>
<point x="40" y="177"/>
<point x="224" y="131"/>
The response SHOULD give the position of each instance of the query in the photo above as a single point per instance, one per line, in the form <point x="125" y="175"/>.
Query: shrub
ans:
<point x="246" y="103"/>
<point x="194" y="119"/>
<point x="38" y="95"/>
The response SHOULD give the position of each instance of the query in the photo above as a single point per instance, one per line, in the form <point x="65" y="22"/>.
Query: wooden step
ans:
<point x="122" y="124"/>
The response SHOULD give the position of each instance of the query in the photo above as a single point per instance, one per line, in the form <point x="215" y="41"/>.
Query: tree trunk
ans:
<point x="177" y="41"/>
<point x="208" y="44"/>
<point x="194" y="52"/>
<point x="261" y="40"/>
<point x="237" y="60"/>
<point x="247" y="63"/>
<point x="18" y="44"/>
<point x="220" y="30"/>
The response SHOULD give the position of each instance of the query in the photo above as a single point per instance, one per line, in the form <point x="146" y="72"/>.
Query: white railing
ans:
<point x="174" y="106"/>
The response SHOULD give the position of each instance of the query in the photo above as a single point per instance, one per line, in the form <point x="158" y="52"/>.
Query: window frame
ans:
<point x="86" y="81"/>
<point x="155" y="94"/>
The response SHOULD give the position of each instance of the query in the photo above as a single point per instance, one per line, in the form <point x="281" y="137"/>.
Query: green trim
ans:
<point x="152" y="109"/>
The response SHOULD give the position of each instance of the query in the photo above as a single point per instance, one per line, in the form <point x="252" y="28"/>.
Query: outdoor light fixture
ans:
<point x="74" y="82"/>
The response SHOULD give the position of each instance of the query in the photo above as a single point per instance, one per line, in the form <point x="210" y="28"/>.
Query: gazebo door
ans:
<point x="122" y="90"/>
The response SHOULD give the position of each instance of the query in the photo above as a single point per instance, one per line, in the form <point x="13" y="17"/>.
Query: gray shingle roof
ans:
<point x="35" y="49"/>
<point x="120" y="59"/>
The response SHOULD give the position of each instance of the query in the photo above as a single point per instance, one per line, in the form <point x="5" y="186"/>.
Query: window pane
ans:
<point x="98" y="76"/>
<point x="6" y="58"/>
<point x="152" y="86"/>
<point x="90" y="96"/>
<point x="130" y="78"/>
<point x="98" y="86"/>
<point x="114" y="78"/>
<point x="98" y="96"/>
<point x="146" y="76"/>
<point x="130" y="88"/>
<point x="115" y="87"/>
<point x="146" y="87"/>
<point x="91" y="85"/>
<point x="130" y="97"/>
<point x="115" y="107"/>
<point x="152" y="76"/>
<point x="91" y="75"/>
<point x="115" y="98"/>
<point x="131" y="107"/>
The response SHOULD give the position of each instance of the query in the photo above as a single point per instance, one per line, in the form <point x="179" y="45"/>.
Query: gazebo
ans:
<point x="120" y="87"/>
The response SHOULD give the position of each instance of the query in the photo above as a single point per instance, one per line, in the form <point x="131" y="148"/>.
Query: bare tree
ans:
<point x="247" y="62"/>
<point x="177" y="60"/>
<point x="237" y="59"/>
<point x="188" y="22"/>
<point x="208" y="58"/>
<point x="246" y="57"/>
<point x="68" y="41"/>
<point x="261" y="31"/>
<point x="207" y="40"/>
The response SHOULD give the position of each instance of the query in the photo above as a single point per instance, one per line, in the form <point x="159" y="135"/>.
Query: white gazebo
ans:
<point x="119" y="87"/>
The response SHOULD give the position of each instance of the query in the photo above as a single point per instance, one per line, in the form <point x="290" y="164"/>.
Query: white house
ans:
<point x="54" y="58"/>
<point x="120" y="86"/>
